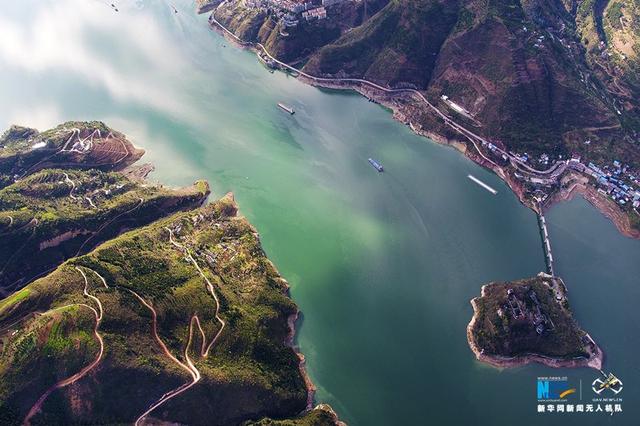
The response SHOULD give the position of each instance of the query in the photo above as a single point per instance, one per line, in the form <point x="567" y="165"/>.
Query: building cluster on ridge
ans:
<point x="291" y="12"/>
<point x="526" y="307"/>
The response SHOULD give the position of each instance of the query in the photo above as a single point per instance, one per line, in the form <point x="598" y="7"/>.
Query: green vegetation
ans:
<point x="250" y="372"/>
<point x="533" y="73"/>
<point x="614" y="13"/>
<point x="50" y="216"/>
<point x="14" y="299"/>
<point x="399" y="44"/>
<point x="317" y="417"/>
<point x="506" y="323"/>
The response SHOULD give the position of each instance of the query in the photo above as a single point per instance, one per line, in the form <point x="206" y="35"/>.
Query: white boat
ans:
<point x="286" y="108"/>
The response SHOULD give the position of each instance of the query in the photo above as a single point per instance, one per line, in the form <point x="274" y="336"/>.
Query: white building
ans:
<point x="317" y="13"/>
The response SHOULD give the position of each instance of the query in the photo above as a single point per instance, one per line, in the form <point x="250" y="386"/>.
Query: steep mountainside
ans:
<point x="514" y="65"/>
<point x="182" y="321"/>
<point x="49" y="215"/>
<point x="523" y="70"/>
<point x="201" y="280"/>
<point x="293" y="44"/>
<point x="397" y="45"/>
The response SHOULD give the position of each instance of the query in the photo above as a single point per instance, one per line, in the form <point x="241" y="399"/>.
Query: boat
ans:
<point x="376" y="165"/>
<point x="482" y="184"/>
<point x="286" y="108"/>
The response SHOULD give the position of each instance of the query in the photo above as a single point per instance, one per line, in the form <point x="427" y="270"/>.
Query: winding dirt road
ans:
<point x="73" y="186"/>
<point x="91" y="202"/>
<point x="189" y="367"/>
<point x="205" y="348"/>
<point x="211" y="290"/>
<point x="140" y="202"/>
<point x="70" y="380"/>
<point x="85" y="145"/>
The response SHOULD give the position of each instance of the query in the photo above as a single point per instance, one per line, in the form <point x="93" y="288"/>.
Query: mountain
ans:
<point x="150" y="309"/>
<point x="524" y="71"/>
<point x="48" y="215"/>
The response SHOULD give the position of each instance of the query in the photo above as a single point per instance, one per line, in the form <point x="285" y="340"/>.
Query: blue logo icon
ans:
<point x="553" y="389"/>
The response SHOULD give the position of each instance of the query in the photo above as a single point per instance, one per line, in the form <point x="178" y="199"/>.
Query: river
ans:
<point x="383" y="265"/>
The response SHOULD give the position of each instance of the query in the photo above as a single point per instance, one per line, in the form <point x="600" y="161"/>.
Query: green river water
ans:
<point x="382" y="265"/>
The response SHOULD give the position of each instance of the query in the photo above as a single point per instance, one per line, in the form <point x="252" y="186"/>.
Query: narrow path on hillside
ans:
<point x="140" y="202"/>
<point x="204" y="349"/>
<point x="188" y="367"/>
<point x="68" y="181"/>
<point x="90" y="202"/>
<point x="70" y="380"/>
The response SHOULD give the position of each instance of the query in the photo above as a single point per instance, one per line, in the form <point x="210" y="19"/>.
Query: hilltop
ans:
<point x="24" y="151"/>
<point x="61" y="196"/>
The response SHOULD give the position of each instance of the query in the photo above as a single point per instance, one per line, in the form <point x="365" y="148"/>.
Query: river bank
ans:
<point x="292" y="319"/>
<point x="443" y="130"/>
<point x="574" y="185"/>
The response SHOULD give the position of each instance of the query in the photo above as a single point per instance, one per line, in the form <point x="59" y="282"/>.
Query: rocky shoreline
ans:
<point x="302" y="364"/>
<point x="594" y="361"/>
<point x="400" y="113"/>
<point x="579" y="186"/>
<point x="291" y="323"/>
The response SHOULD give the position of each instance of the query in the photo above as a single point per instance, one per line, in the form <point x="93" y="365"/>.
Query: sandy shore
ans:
<point x="594" y="361"/>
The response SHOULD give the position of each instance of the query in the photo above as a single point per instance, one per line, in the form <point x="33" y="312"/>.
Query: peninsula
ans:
<point x="65" y="190"/>
<point x="154" y="311"/>
<point x="519" y="322"/>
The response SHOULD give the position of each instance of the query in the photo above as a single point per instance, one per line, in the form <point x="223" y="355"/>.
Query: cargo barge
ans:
<point x="376" y="165"/>
<point x="286" y="108"/>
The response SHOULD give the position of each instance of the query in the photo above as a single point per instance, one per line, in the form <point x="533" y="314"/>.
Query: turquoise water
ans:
<point x="382" y="265"/>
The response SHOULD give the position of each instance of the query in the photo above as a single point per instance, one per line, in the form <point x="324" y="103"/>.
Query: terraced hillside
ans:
<point x="182" y="319"/>
<point x="186" y="315"/>
<point x="49" y="215"/>
<point x="71" y="145"/>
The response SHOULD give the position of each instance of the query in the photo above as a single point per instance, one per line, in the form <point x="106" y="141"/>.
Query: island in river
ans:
<point x="519" y="322"/>
<point x="152" y="307"/>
